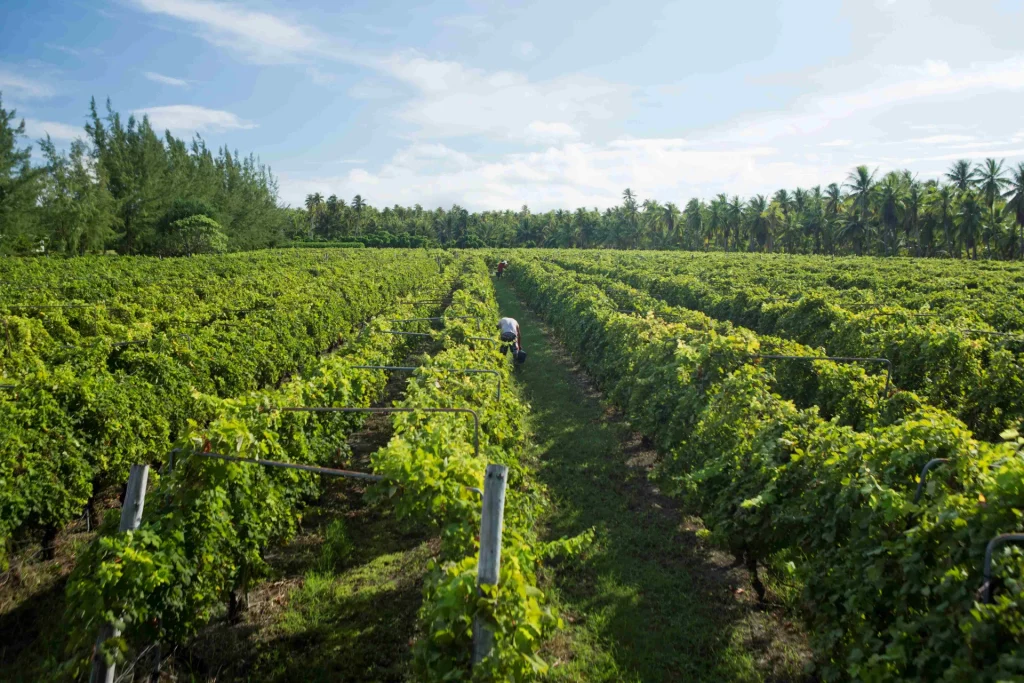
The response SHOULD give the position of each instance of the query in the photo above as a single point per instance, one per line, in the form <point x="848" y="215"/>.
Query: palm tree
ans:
<point x="833" y="207"/>
<point x="670" y="220"/>
<point x="891" y="195"/>
<point x="860" y="181"/>
<point x="631" y="218"/>
<point x="969" y="221"/>
<point x="991" y="181"/>
<point x="757" y="230"/>
<point x="962" y="175"/>
<point x="694" y="221"/>
<point x="912" y="212"/>
<point x="314" y="206"/>
<point x="1015" y="201"/>
<point x="733" y="218"/>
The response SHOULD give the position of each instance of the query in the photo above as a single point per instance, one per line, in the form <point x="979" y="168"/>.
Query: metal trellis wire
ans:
<point x="413" y="368"/>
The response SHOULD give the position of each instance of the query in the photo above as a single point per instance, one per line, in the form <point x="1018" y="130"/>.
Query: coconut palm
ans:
<point x="991" y="181"/>
<point x="1015" y="202"/>
<point x="940" y="210"/>
<point x="670" y="221"/>
<point x="757" y="227"/>
<point x="856" y="228"/>
<point x="733" y="219"/>
<point x="891" y="195"/>
<point x="962" y="175"/>
<point x="969" y="221"/>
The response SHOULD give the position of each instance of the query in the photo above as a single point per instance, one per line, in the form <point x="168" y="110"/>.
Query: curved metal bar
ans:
<point x="328" y="409"/>
<point x="989" y="550"/>
<point x="838" y="359"/>
<point x="924" y="473"/>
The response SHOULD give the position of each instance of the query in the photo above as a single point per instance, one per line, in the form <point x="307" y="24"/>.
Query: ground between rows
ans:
<point x="648" y="601"/>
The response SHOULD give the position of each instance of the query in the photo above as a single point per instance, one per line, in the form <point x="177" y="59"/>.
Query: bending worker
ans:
<point x="501" y="267"/>
<point x="508" y="328"/>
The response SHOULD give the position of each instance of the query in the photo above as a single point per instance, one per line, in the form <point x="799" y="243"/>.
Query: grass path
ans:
<point x="647" y="602"/>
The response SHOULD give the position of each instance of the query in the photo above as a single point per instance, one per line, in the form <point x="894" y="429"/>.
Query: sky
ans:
<point x="493" y="105"/>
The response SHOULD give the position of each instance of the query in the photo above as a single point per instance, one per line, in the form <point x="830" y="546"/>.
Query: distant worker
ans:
<point x="508" y="328"/>
<point x="502" y="265"/>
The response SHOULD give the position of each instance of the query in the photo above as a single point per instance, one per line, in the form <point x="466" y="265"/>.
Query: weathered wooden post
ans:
<point x="131" y="518"/>
<point x="489" y="568"/>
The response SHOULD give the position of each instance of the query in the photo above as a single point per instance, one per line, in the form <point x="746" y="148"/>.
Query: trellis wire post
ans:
<point x="489" y="566"/>
<point x="989" y="550"/>
<point x="413" y="368"/>
<point x="837" y="359"/>
<point x="131" y="518"/>
<point x="924" y="474"/>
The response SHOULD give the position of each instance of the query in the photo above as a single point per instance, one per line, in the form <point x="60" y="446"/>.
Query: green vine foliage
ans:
<point x="976" y="376"/>
<point x="208" y="523"/>
<point x="432" y="463"/>
<point x="890" y="586"/>
<point x="84" y="405"/>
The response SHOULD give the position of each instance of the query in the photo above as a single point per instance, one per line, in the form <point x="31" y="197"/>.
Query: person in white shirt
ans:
<point x="508" y="328"/>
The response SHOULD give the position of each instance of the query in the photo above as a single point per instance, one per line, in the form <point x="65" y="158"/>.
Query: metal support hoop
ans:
<point x="989" y="550"/>
<point x="837" y="359"/>
<point x="413" y="368"/>
<point x="328" y="409"/>
<point x="924" y="474"/>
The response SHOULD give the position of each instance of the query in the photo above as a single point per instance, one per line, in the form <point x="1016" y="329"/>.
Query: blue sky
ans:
<point x="551" y="104"/>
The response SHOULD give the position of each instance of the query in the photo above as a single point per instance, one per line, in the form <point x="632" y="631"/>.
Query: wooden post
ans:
<point x="131" y="518"/>
<point x="489" y="567"/>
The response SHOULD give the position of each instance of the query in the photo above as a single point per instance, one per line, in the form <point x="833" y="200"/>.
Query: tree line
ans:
<point x="974" y="211"/>
<point x="124" y="187"/>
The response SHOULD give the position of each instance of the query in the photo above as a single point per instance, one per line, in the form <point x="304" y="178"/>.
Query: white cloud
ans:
<point x="453" y="100"/>
<point x="551" y="131"/>
<point x="263" y="37"/>
<point x="814" y="114"/>
<point x="36" y="130"/>
<point x="473" y="23"/>
<point x="836" y="143"/>
<point x="166" y="80"/>
<point x="525" y="48"/>
<point x="64" y="48"/>
<point x="570" y="175"/>
<point x="23" y="86"/>
<point x="450" y="99"/>
<point x="187" y="118"/>
<point x="946" y="139"/>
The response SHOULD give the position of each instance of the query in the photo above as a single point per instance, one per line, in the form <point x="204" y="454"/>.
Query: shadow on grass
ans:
<point x="648" y="601"/>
